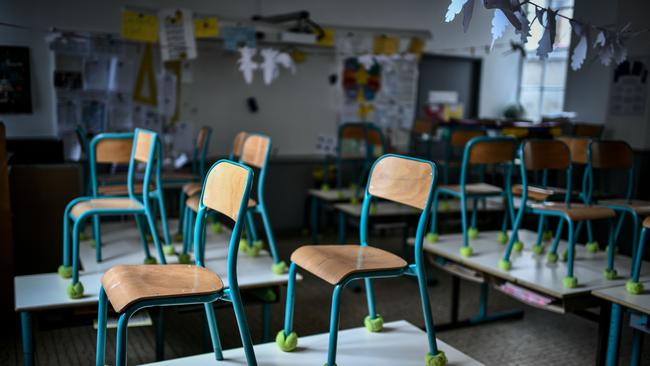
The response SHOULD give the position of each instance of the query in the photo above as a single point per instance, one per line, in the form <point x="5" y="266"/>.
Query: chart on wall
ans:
<point x="15" y="90"/>
<point x="629" y="88"/>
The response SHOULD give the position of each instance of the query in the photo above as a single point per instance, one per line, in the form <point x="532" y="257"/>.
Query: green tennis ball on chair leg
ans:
<point x="505" y="265"/>
<point x="254" y="250"/>
<point x="279" y="268"/>
<point x="75" y="291"/>
<point x="169" y="249"/>
<point x="433" y="237"/>
<point x="92" y="243"/>
<point x="374" y="325"/>
<point x="217" y="228"/>
<point x="184" y="258"/>
<point x="538" y="249"/>
<point x="502" y="237"/>
<point x="466" y="251"/>
<point x="592" y="247"/>
<point x="570" y="282"/>
<point x="565" y="255"/>
<point x="547" y="235"/>
<point x="325" y="187"/>
<point x="243" y="245"/>
<point x="634" y="288"/>
<point x="610" y="274"/>
<point x="472" y="233"/>
<point x="286" y="343"/>
<point x="83" y="236"/>
<point x="65" y="271"/>
<point x="438" y="360"/>
<point x="551" y="257"/>
<point x="150" y="260"/>
<point x="518" y="246"/>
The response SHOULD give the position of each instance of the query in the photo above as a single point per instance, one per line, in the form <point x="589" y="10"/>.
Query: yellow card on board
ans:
<point x="207" y="27"/>
<point x="138" y="26"/>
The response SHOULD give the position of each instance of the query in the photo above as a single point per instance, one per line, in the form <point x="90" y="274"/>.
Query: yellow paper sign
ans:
<point x="207" y="27"/>
<point x="328" y="38"/>
<point x="416" y="46"/>
<point x="137" y="26"/>
<point x="384" y="45"/>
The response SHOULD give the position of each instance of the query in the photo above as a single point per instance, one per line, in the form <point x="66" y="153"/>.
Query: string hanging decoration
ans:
<point x="608" y="45"/>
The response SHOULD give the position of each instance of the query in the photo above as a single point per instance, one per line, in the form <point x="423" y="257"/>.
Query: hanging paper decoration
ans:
<point x="273" y="58"/>
<point x="385" y="45"/>
<point x="206" y="27"/>
<point x="139" y="26"/>
<point x="524" y="31"/>
<point x="177" y="40"/>
<point x="236" y="37"/>
<point x="499" y="24"/>
<point x="359" y="83"/>
<point x="580" y="51"/>
<point x="454" y="9"/>
<point x="246" y="63"/>
<point x="327" y="38"/>
<point x="508" y="8"/>
<point x="545" y="45"/>
<point x="468" y="11"/>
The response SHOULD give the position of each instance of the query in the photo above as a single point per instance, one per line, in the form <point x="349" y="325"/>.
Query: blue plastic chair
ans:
<point x="132" y="288"/>
<point x="539" y="155"/>
<point x="479" y="153"/>
<point x="396" y="178"/>
<point x="144" y="147"/>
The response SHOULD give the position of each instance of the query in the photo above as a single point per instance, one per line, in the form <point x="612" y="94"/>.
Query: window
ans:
<point x="542" y="82"/>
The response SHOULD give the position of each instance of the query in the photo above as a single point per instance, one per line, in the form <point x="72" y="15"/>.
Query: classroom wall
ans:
<point x="588" y="89"/>
<point x="304" y="103"/>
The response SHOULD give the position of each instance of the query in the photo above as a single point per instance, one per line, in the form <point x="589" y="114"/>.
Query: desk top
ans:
<point x="335" y="195"/>
<point x="400" y="343"/>
<point x="388" y="208"/>
<point x="619" y="295"/>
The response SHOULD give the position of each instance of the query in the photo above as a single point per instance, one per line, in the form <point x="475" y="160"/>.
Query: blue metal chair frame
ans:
<point x="75" y="289"/>
<point x="231" y="294"/>
<point x="570" y="281"/>
<point x="633" y="286"/>
<point x="463" y="195"/>
<point x="198" y="169"/>
<point x="417" y="270"/>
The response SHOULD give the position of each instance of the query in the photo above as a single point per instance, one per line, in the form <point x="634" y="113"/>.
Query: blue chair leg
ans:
<point x="163" y="216"/>
<point x="610" y="272"/>
<point x="466" y="250"/>
<point x="240" y="314"/>
<point x="635" y="232"/>
<point x="101" y="328"/>
<point x="156" y="240"/>
<point x="505" y="263"/>
<point x="373" y="322"/>
<point x="188" y="219"/>
<point x="250" y="224"/>
<point x="122" y="326"/>
<point x="181" y="214"/>
<point x="97" y="236"/>
<point x="432" y="236"/>
<point x="334" y="325"/>
<point x="64" y="269"/>
<point x="633" y="286"/>
<point x="148" y="259"/>
<point x="75" y="289"/>
<point x="287" y="339"/>
<point x="279" y="266"/>
<point x="552" y="254"/>
<point x="614" y="332"/>
<point x="637" y="347"/>
<point x="540" y="229"/>
<point x="475" y="205"/>
<point x="426" y="310"/>
<point x="214" y="331"/>
<point x="570" y="281"/>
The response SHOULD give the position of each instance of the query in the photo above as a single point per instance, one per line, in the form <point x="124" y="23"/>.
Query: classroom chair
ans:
<point x="254" y="153"/>
<point x="355" y="136"/>
<point x="455" y="140"/>
<point x="106" y="146"/>
<point x="134" y="287"/>
<point x="401" y="179"/>
<point x="480" y="152"/>
<point x="194" y="188"/>
<point x="540" y="155"/>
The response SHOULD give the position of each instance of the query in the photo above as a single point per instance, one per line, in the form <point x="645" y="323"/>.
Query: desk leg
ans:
<point x="614" y="332"/>
<point x="266" y="322"/>
<point x="28" y="351"/>
<point x="637" y="347"/>
<point x="342" y="228"/>
<point x="315" y="211"/>
<point x="160" y="335"/>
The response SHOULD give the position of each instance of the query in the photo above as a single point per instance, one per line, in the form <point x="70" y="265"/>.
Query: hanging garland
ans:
<point x="608" y="45"/>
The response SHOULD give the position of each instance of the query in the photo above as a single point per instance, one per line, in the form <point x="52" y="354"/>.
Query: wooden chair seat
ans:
<point x="121" y="189"/>
<point x="646" y="223"/>
<point x="176" y="175"/>
<point x="538" y="193"/>
<point x="333" y="263"/>
<point x="640" y="207"/>
<point x="193" y="203"/>
<point x="190" y="189"/>
<point x="116" y="203"/>
<point x="577" y="212"/>
<point x="128" y="284"/>
<point x="473" y="188"/>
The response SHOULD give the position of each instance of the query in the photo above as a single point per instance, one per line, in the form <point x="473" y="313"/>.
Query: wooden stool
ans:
<point x="144" y="147"/>
<point x="131" y="288"/>
<point x="540" y="155"/>
<point x="479" y="152"/>
<point x="396" y="178"/>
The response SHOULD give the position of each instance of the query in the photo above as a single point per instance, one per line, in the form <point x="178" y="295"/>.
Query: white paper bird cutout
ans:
<point x="545" y="45"/>
<point x="499" y="24"/>
<point x="454" y="9"/>
<point x="270" y="64"/>
<point x="508" y="8"/>
<point x="579" y="54"/>
<point x="246" y="63"/>
<point x="524" y="31"/>
<point x="366" y="60"/>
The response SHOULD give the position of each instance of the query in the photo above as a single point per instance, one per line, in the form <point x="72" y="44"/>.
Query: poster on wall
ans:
<point x="15" y="90"/>
<point x="629" y="89"/>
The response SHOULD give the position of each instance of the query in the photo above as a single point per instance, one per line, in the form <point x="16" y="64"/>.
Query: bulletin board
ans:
<point x="15" y="88"/>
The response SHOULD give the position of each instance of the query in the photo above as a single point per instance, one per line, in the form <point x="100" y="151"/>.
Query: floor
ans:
<point x="540" y="338"/>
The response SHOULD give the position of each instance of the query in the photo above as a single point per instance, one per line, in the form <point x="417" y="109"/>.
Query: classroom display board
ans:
<point x="15" y="88"/>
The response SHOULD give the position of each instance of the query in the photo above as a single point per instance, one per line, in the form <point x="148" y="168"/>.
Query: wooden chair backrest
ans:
<point x="202" y="137"/>
<point x="402" y="180"/>
<point x="110" y="150"/>
<point x="578" y="147"/>
<point x="461" y="137"/>
<point x="255" y="150"/>
<point x="225" y="187"/>
<point x="423" y="126"/>
<point x="144" y="141"/>
<point x="546" y="154"/>
<point x="238" y="143"/>
<point x="588" y="130"/>
<point x="490" y="151"/>
<point x="611" y="155"/>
